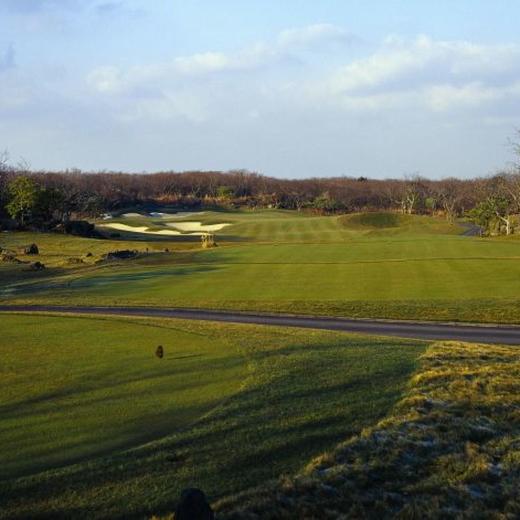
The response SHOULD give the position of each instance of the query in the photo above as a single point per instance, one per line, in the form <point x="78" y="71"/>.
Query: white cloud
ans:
<point x="257" y="91"/>
<point x="445" y="97"/>
<point x="109" y="79"/>
<point x="424" y="61"/>
<point x="105" y="79"/>
<point x="205" y="63"/>
<point x="436" y="75"/>
<point x="261" y="54"/>
<point x="170" y="105"/>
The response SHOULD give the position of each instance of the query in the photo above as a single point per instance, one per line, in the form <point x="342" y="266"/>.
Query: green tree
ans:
<point x="482" y="214"/>
<point x="502" y="208"/>
<point x="327" y="204"/>
<point x="23" y="198"/>
<point x="225" y="192"/>
<point x="49" y="204"/>
<point x="492" y="210"/>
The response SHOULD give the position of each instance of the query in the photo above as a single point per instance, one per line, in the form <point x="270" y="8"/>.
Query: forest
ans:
<point x="46" y="199"/>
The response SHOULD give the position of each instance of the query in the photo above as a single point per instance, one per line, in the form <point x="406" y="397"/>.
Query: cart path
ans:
<point x="509" y="335"/>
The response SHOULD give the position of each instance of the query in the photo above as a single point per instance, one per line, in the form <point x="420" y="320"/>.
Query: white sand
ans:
<point x="127" y="215"/>
<point x="140" y="229"/>
<point x="196" y="226"/>
<point x="171" y="232"/>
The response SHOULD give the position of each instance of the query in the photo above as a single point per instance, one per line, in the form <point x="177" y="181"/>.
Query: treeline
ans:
<point x="44" y="199"/>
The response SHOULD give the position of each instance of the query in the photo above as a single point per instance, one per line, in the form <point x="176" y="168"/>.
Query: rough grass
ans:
<point x="66" y="256"/>
<point x="449" y="449"/>
<point x="229" y="407"/>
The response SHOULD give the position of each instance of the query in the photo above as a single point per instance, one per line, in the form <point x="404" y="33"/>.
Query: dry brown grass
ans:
<point x="450" y="449"/>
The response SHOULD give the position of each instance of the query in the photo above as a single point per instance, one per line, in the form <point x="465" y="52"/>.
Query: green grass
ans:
<point x="366" y="265"/>
<point x="376" y="220"/>
<point x="449" y="449"/>
<point x="77" y="388"/>
<point x="93" y="425"/>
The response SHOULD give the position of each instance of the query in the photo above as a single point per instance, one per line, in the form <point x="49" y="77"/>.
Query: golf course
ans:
<point x="259" y="260"/>
<point x="371" y="265"/>
<point x="95" y="425"/>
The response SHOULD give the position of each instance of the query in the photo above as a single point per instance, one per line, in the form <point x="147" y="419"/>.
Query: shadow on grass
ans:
<point x="103" y="279"/>
<point x="19" y="409"/>
<point x="296" y="408"/>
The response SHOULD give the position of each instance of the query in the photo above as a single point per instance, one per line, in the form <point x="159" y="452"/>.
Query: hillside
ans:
<point x="449" y="448"/>
<point x="97" y="426"/>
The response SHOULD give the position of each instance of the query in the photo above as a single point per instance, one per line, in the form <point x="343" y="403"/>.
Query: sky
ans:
<point x="292" y="89"/>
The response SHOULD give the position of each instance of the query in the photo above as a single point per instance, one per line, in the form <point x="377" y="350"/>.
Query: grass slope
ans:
<point x="277" y="396"/>
<point x="449" y="449"/>
<point x="74" y="388"/>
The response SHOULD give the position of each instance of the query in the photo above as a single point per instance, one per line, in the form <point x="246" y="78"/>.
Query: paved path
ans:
<point x="472" y="230"/>
<point x="406" y="329"/>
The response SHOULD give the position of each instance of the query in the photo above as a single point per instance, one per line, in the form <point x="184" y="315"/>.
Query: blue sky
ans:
<point x="289" y="89"/>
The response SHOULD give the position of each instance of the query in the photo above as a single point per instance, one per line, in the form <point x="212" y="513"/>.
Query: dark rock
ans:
<point x="88" y="255"/>
<point x="159" y="352"/>
<point x="37" y="266"/>
<point x="193" y="506"/>
<point x="31" y="249"/>
<point x="122" y="254"/>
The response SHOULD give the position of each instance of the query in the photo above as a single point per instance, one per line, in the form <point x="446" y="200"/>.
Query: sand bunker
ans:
<point x="130" y="215"/>
<point x="183" y="228"/>
<point x="141" y="229"/>
<point x="196" y="226"/>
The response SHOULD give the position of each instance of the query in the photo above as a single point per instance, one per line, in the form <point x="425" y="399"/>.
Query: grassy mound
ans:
<point x="375" y="220"/>
<point x="386" y="224"/>
<point x="451" y="448"/>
